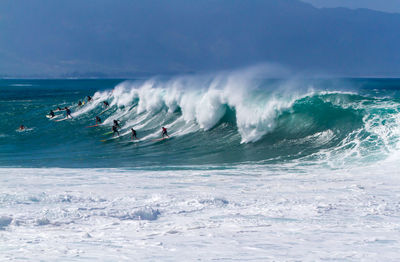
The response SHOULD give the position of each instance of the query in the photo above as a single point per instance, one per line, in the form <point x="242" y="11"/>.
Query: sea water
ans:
<point x="255" y="169"/>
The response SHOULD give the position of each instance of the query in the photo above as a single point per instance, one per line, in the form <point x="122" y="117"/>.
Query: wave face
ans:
<point x="222" y="119"/>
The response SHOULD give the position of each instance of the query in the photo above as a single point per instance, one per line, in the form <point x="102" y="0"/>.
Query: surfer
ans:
<point x="51" y="113"/>
<point x="106" y="104"/>
<point x="164" y="132"/>
<point x="116" y="123"/>
<point x="59" y="108"/>
<point x="21" y="128"/>
<point x="89" y="98"/>
<point x="133" y="134"/>
<point x="79" y="103"/>
<point x="68" y="112"/>
<point x="98" y="120"/>
<point x="115" y="130"/>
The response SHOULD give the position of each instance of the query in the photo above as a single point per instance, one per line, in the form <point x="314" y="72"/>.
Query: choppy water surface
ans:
<point x="255" y="169"/>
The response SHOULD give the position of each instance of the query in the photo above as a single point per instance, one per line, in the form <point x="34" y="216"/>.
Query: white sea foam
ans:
<point x="204" y="100"/>
<point x="250" y="212"/>
<point x="21" y="85"/>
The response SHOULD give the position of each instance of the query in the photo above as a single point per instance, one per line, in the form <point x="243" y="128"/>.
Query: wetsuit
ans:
<point x="115" y="130"/>
<point x="133" y="133"/>
<point x="68" y="112"/>
<point x="116" y="123"/>
<point x="106" y="103"/>
<point x="79" y="103"/>
<point x="164" y="132"/>
<point x="89" y="98"/>
<point x="51" y="113"/>
<point x="98" y="120"/>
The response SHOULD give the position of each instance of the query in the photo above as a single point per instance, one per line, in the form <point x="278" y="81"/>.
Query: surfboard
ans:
<point x="134" y="141"/>
<point x="56" y="116"/>
<point x="105" y="110"/>
<point x="109" y="139"/>
<point x="24" y="130"/>
<point x="58" y="120"/>
<point x="93" y="125"/>
<point x="108" y="133"/>
<point x="160" y="139"/>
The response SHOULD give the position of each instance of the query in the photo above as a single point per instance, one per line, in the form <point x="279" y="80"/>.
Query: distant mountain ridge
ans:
<point x="181" y="36"/>
<point x="388" y="6"/>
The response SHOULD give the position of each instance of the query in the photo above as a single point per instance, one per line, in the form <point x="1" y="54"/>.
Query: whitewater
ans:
<point x="257" y="168"/>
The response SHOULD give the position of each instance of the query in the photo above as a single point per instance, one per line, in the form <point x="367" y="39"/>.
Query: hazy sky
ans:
<point x="143" y="37"/>
<point x="380" y="5"/>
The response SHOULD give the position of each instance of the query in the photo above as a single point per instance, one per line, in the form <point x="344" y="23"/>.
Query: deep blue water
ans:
<point x="210" y="122"/>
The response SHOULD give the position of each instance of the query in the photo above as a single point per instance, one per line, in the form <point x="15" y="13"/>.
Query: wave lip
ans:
<point x="228" y="117"/>
<point x="206" y="100"/>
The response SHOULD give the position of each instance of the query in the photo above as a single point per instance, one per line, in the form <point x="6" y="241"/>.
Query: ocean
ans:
<point x="254" y="169"/>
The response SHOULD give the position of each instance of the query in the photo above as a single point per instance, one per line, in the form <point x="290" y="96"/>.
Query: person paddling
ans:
<point x="133" y="135"/>
<point x="164" y="132"/>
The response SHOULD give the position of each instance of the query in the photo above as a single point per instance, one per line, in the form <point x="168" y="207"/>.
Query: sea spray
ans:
<point x="223" y="118"/>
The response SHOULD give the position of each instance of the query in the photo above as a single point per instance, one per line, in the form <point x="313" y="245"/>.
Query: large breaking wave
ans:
<point x="231" y="117"/>
<point x="204" y="102"/>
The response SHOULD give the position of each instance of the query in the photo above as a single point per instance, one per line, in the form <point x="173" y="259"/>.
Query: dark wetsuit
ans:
<point x="133" y="133"/>
<point x="98" y="120"/>
<point x="51" y="113"/>
<point x="79" y="103"/>
<point x="116" y="124"/>
<point x="89" y="98"/>
<point x="115" y="130"/>
<point x="68" y="112"/>
<point x="106" y="104"/>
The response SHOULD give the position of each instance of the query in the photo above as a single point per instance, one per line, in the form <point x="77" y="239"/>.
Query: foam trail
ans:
<point x="205" y="99"/>
<point x="223" y="117"/>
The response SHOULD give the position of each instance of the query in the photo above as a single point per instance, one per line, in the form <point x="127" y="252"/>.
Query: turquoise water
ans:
<point x="212" y="122"/>
<point x="254" y="169"/>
